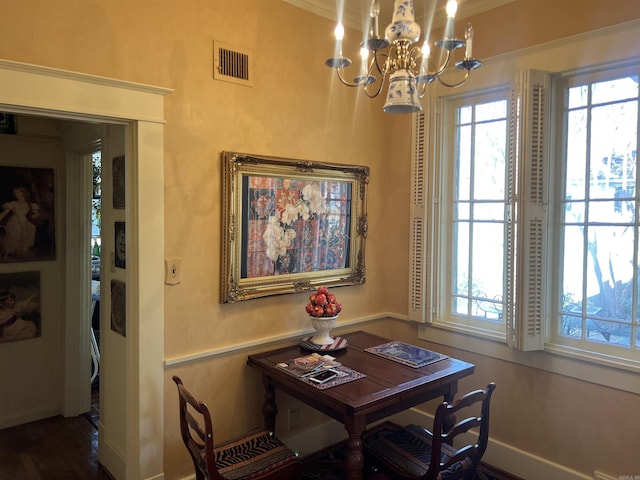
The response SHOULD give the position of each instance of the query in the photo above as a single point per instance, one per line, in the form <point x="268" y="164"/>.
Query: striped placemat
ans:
<point x="338" y="344"/>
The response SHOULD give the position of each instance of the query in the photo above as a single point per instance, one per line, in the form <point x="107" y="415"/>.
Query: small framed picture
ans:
<point x="119" y="307"/>
<point x="119" y="181"/>
<point x="27" y="214"/>
<point x="19" y="306"/>
<point x="120" y="258"/>
<point x="7" y="123"/>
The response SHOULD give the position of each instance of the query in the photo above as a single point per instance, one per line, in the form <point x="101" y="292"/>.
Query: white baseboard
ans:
<point x="498" y="454"/>
<point x="109" y="455"/>
<point x="28" y="416"/>
<point x="605" y="476"/>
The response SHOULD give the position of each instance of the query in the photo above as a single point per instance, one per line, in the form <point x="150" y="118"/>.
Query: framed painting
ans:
<point x="119" y="182"/>
<point x="119" y="307"/>
<point x="291" y="225"/>
<point x="19" y="306"/>
<point x="120" y="258"/>
<point x="27" y="214"/>
<point x="7" y="123"/>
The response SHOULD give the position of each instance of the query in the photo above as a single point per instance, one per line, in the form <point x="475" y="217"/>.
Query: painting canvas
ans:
<point x="27" y="214"/>
<point x="19" y="306"/>
<point x="295" y="225"/>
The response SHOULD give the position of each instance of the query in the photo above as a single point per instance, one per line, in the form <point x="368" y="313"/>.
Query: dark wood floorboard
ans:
<point x="55" y="448"/>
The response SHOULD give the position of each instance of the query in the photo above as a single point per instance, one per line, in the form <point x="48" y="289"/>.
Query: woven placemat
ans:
<point x="345" y="375"/>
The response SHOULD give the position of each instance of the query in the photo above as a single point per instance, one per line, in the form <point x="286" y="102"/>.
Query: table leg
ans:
<point x="355" y="459"/>
<point x="449" y="397"/>
<point x="269" y="408"/>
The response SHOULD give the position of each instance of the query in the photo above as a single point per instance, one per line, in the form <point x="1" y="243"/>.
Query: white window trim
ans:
<point x="612" y="372"/>
<point x="573" y="53"/>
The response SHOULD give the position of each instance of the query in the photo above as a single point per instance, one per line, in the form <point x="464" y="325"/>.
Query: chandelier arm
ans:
<point x="422" y="90"/>
<point x="378" y="90"/>
<point x="455" y="85"/>
<point x="345" y="82"/>
<point x="442" y="67"/>
<point x="376" y="61"/>
<point x="416" y="55"/>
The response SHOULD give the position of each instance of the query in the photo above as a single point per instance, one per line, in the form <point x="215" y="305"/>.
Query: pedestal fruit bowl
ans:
<point x="323" y="309"/>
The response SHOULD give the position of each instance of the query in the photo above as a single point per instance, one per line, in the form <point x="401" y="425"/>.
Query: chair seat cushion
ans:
<point x="245" y="456"/>
<point x="409" y="450"/>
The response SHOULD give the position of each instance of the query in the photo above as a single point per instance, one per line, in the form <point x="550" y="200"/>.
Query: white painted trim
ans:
<point x="354" y="16"/>
<point x="604" y="476"/>
<point x="551" y="361"/>
<point x="263" y="342"/>
<point x="77" y="398"/>
<point x="57" y="93"/>
<point x="606" y="375"/>
<point x="65" y="94"/>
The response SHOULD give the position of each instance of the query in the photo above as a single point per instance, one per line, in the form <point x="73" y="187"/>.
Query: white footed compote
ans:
<point x="323" y="308"/>
<point x="323" y="326"/>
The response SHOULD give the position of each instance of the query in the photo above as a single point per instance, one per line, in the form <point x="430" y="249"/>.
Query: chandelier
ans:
<point x="399" y="61"/>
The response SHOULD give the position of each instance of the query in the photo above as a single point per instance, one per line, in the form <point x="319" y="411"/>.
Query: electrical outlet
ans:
<point x="293" y="418"/>
<point x="172" y="271"/>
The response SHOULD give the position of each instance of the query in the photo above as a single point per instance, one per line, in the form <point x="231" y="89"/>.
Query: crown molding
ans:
<point x="355" y="13"/>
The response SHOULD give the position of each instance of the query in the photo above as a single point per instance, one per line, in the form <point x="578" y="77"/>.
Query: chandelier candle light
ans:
<point x="408" y="66"/>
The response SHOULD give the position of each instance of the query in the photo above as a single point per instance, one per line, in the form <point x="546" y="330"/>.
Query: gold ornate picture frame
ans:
<point x="290" y="225"/>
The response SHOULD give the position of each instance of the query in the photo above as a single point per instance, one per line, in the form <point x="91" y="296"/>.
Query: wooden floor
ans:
<point x="56" y="448"/>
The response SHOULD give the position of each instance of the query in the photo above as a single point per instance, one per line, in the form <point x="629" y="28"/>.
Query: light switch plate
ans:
<point x="172" y="271"/>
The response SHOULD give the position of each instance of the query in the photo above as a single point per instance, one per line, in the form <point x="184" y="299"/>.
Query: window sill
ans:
<point x="599" y="369"/>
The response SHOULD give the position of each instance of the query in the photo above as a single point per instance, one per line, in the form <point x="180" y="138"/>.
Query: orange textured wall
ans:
<point x="524" y="23"/>
<point x="297" y="110"/>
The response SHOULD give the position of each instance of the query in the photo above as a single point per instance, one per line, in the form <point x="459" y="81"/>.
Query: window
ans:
<point x="597" y="243"/>
<point x="476" y="194"/>
<point x="535" y="239"/>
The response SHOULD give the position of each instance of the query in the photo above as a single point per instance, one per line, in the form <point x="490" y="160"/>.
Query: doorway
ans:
<point x="135" y="424"/>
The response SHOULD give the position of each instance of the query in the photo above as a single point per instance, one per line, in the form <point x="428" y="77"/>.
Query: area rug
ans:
<point x="328" y="464"/>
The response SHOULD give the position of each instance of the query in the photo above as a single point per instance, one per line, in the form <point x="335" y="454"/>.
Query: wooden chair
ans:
<point x="416" y="453"/>
<point x="257" y="455"/>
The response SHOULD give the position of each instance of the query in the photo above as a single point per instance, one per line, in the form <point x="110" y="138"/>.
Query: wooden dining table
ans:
<point x="386" y="388"/>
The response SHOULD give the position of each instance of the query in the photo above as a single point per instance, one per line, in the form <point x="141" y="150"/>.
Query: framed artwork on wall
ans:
<point x="120" y="243"/>
<point x="119" y="307"/>
<point x="27" y="214"/>
<point x="20" y="317"/>
<point x="291" y="225"/>
<point x="119" y="182"/>
<point x="7" y="123"/>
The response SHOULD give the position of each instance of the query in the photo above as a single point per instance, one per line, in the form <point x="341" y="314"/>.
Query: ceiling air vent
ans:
<point x="232" y="64"/>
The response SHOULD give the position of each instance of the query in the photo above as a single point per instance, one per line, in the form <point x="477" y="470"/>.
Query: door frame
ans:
<point x="35" y="90"/>
<point x="77" y="358"/>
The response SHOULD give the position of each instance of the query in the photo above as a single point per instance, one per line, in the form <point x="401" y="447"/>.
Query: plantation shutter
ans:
<point x="527" y="210"/>
<point x="418" y="297"/>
